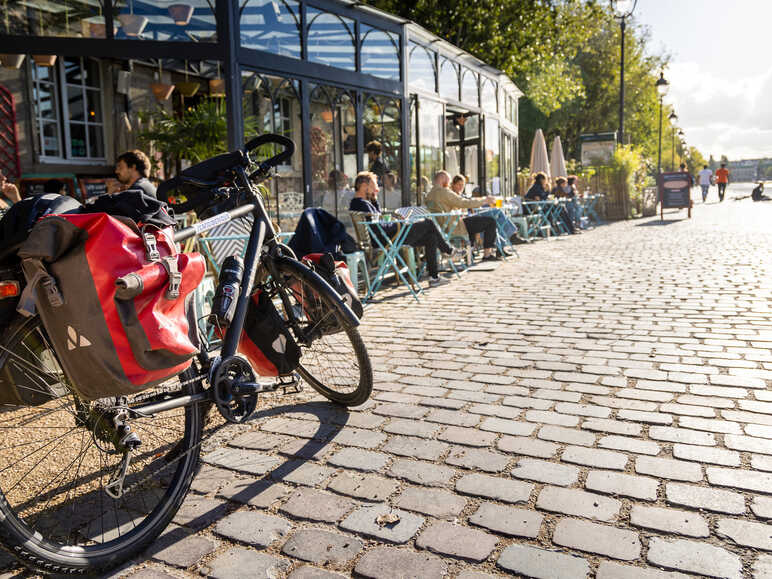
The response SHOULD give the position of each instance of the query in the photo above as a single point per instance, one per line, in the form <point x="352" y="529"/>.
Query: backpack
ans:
<point x="116" y="301"/>
<point x="265" y="340"/>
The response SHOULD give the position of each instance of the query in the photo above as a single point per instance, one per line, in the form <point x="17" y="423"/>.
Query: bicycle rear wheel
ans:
<point x="334" y="358"/>
<point x="58" y="454"/>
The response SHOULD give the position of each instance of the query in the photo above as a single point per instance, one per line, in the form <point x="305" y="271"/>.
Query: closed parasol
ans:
<point x="557" y="161"/>
<point x="539" y="160"/>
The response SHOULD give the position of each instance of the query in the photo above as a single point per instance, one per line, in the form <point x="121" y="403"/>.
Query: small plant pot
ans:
<point x="217" y="87"/>
<point x="162" y="91"/>
<point x="12" y="60"/>
<point x="95" y="28"/>
<point x="132" y="24"/>
<point x="44" y="59"/>
<point x="188" y="89"/>
<point x="181" y="13"/>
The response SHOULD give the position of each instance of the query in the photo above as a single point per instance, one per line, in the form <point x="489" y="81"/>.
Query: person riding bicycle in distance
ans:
<point x="423" y="233"/>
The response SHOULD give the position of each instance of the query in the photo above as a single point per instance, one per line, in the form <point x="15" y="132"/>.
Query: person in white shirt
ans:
<point x="705" y="176"/>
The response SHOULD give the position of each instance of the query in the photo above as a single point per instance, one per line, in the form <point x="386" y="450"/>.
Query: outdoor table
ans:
<point x="391" y="256"/>
<point x="588" y="207"/>
<point x="537" y="216"/>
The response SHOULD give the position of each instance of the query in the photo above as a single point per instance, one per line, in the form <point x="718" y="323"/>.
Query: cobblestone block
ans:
<point x="309" y="572"/>
<point x="527" y="446"/>
<point x="762" y="568"/>
<point x="683" y="435"/>
<point x="258" y="440"/>
<point x="200" y="512"/>
<point x="583" y="410"/>
<point x="467" y="436"/>
<point x="388" y="562"/>
<point x="598" y="539"/>
<point x="367" y="521"/>
<point x="627" y="485"/>
<point x="507" y="520"/>
<point x="741" y="381"/>
<point x="302" y="473"/>
<point x="718" y="391"/>
<point x="306" y="449"/>
<point x="177" y="547"/>
<point x="668" y="468"/>
<point x="643" y="394"/>
<point x="422" y="473"/>
<point x="761" y="462"/>
<point x="508" y="491"/>
<point x="688" y="410"/>
<point x="411" y="428"/>
<point x="567" y="435"/>
<point x="612" y="426"/>
<point x="253" y="528"/>
<point x="694" y="557"/>
<point x="746" y="533"/>
<point x="210" y="479"/>
<point x="259" y="493"/>
<point x="712" y="401"/>
<point x="507" y="412"/>
<point x="750" y="417"/>
<point x="551" y="394"/>
<point x="546" y="472"/>
<point x="739" y="478"/>
<point x="447" y="403"/>
<point x="300" y="428"/>
<point x="401" y="410"/>
<point x="453" y="417"/>
<point x="748" y="443"/>
<point x="359" y="437"/>
<point x="315" y="505"/>
<point x="611" y="570"/>
<point x="762" y="507"/>
<point x="507" y="426"/>
<point x="545" y="417"/>
<point x="415" y="447"/>
<point x="477" y="459"/>
<point x="363" y="486"/>
<point x="358" y="459"/>
<point x="710" y="499"/>
<point x="578" y="503"/>
<point x="720" y="426"/>
<point x="706" y="454"/>
<point x="535" y="562"/>
<point x="436" y="503"/>
<point x="669" y="520"/>
<point x="321" y="547"/>
<point x="758" y="430"/>
<point x="457" y="541"/>
<point x="240" y="563"/>
<point x="594" y="457"/>
<point x="247" y="461"/>
<point x="527" y="402"/>
<point x="647" y="417"/>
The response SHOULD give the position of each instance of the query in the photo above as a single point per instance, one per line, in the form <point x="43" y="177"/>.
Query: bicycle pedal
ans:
<point x="290" y="385"/>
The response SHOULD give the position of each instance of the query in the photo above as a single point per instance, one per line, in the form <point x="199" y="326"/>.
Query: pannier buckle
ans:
<point x="175" y="277"/>
<point x="151" y="247"/>
<point x="53" y="294"/>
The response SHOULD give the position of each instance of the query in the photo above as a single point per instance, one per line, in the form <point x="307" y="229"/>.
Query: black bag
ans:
<point x="265" y="340"/>
<point x="136" y="205"/>
<point x="22" y="216"/>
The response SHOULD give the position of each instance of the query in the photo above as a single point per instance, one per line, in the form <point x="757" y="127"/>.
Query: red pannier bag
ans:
<point x="336" y="274"/>
<point x="116" y="301"/>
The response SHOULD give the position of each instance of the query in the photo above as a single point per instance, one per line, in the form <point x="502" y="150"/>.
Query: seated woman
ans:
<point x="538" y="190"/>
<point x="562" y="190"/>
<point x="423" y="233"/>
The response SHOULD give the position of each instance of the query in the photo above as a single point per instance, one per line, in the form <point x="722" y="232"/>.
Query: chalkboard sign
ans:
<point x="675" y="191"/>
<point x="35" y="185"/>
<point x="93" y="186"/>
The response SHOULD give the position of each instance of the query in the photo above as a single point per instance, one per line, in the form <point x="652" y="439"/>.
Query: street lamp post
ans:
<point x="623" y="9"/>
<point x="672" y="117"/>
<point x="662" y="87"/>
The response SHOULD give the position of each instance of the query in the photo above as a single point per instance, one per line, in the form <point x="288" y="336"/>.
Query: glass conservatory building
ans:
<point x="354" y="87"/>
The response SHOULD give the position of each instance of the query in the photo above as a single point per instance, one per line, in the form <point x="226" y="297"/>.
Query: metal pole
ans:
<point x="659" y="149"/>
<point x="622" y="26"/>
<point x="672" y="154"/>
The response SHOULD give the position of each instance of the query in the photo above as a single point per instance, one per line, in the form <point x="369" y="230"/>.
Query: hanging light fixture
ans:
<point x="12" y="60"/>
<point x="132" y="24"/>
<point x="161" y="90"/>
<point x="187" y="88"/>
<point x="181" y="13"/>
<point x="217" y="85"/>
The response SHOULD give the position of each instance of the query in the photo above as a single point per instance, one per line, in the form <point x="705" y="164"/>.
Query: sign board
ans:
<point x="674" y="192"/>
<point x="597" y="148"/>
<point x="93" y="186"/>
<point x="35" y="184"/>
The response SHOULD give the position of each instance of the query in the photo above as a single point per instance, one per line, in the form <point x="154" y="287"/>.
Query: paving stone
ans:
<point x="388" y="562"/>
<point x="669" y="520"/>
<point x="209" y="479"/>
<point x="253" y="527"/>
<point x="300" y="428"/>
<point x="711" y="425"/>
<point x="315" y="505"/>
<point x="694" y="557"/>
<point x="258" y="440"/>
<point x="629" y="444"/>
<point x="453" y="418"/>
<point x="471" y="574"/>
<point x="401" y="410"/>
<point x="627" y="485"/>
<point x="748" y="443"/>
<point x="758" y="430"/>
<point x="594" y="457"/>
<point x="612" y="426"/>
<point x="611" y="570"/>
<point x="642" y="416"/>
<point x="761" y="462"/>
<point x="706" y="454"/>
<point x="322" y="547"/>
<point x="146" y="573"/>
<point x="762" y="507"/>
<point x="179" y="548"/>
<point x="419" y="472"/>
<point x="527" y="402"/>
<point x="567" y="435"/>
<point x="365" y="521"/>
<point x="467" y="436"/>
<point x="746" y="533"/>
<point x="200" y="512"/>
<point x="259" y="493"/>
<point x="436" y="503"/>
<point x="358" y="459"/>
<point x="248" y="461"/>
<point x="682" y="435"/>
<point x="527" y="446"/>
<point x="507" y="520"/>
<point x="304" y="448"/>
<point x="762" y="568"/>
<point x="447" y="403"/>
<point x="505" y="490"/>
<point x="579" y="503"/>
<point x="668" y="468"/>
<point x="238" y="563"/>
<point x="545" y="417"/>
<point x="503" y="426"/>
<point x="363" y="486"/>
<point x="302" y="472"/>
<point x="717" y="500"/>
<point x="477" y="459"/>
<point x="740" y="478"/>
<point x="457" y="541"/>
<point x="309" y="572"/>
<point x="415" y="447"/>
<point x="411" y="428"/>
<point x="535" y="562"/>
<point x="598" y="539"/>
<point x="583" y="410"/>
<point x="359" y="437"/>
<point x="546" y="472"/>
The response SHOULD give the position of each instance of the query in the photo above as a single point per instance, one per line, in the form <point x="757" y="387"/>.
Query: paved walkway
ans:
<point x="600" y="406"/>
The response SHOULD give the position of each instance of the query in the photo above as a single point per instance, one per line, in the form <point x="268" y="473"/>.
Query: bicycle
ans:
<point x="74" y="497"/>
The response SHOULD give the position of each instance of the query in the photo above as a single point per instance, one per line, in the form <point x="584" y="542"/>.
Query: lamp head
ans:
<point x="672" y="117"/>
<point x="662" y="85"/>
<point x="623" y="8"/>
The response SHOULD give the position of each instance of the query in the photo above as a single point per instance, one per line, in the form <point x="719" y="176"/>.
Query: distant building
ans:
<point x="745" y="170"/>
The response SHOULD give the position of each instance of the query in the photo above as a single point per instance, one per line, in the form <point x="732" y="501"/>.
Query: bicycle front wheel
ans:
<point x="58" y="456"/>
<point x="334" y="358"/>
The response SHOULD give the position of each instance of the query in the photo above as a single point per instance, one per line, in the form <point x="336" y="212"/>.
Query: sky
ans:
<point x="720" y="73"/>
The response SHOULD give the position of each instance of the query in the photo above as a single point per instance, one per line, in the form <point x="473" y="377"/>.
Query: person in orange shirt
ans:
<point x="722" y="178"/>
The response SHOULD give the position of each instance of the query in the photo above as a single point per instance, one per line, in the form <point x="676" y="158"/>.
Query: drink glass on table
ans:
<point x="499" y="202"/>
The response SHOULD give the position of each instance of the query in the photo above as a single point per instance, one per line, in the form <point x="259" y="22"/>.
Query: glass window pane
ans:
<point x="323" y="166"/>
<point x="75" y="103"/>
<point x="73" y="73"/>
<point x="45" y="101"/>
<point x="66" y="18"/>
<point x="382" y="134"/>
<point x="380" y="52"/>
<point x="448" y="80"/>
<point x="431" y="125"/>
<point x="271" y="25"/>
<point x="94" y="102"/>
<point x="50" y="139"/>
<point x="469" y="92"/>
<point x="330" y="39"/>
<point x="78" y="140"/>
<point x="421" y="71"/>
<point x="95" y="142"/>
<point x="91" y="72"/>
<point x="344" y="180"/>
<point x="170" y="20"/>
<point x="489" y="100"/>
<point x="492" y="153"/>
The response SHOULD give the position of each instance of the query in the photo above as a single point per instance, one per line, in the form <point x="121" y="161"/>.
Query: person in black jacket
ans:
<point x="132" y="169"/>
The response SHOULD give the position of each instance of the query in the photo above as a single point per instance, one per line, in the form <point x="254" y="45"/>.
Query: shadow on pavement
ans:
<point x="659" y="222"/>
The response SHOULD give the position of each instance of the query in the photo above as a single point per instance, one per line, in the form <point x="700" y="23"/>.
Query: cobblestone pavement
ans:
<point x="599" y="407"/>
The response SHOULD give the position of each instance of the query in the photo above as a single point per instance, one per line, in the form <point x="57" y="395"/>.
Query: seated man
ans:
<point x="507" y="229"/>
<point x="132" y="169"/>
<point x="441" y="199"/>
<point x="758" y="193"/>
<point x="538" y="190"/>
<point x="423" y="233"/>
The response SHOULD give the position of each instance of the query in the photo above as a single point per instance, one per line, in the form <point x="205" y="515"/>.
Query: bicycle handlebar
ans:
<point x="268" y="164"/>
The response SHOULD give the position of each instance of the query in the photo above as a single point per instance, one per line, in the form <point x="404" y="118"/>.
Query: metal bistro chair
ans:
<point x="415" y="212"/>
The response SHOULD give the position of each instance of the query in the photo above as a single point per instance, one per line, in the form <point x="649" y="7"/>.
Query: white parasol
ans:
<point x="539" y="160"/>
<point x="557" y="161"/>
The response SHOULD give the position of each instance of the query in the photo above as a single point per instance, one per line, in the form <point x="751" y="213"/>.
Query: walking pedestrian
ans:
<point x="705" y="176"/>
<point x="722" y="178"/>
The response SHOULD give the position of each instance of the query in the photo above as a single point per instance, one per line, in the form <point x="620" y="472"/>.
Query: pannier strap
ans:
<point x="175" y="277"/>
<point x="151" y="247"/>
<point x="129" y="286"/>
<point x="37" y="274"/>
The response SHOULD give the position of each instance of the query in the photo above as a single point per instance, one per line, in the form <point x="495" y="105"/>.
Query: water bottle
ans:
<point x="228" y="286"/>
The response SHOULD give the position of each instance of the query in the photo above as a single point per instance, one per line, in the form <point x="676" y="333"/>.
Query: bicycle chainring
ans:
<point x="230" y="371"/>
